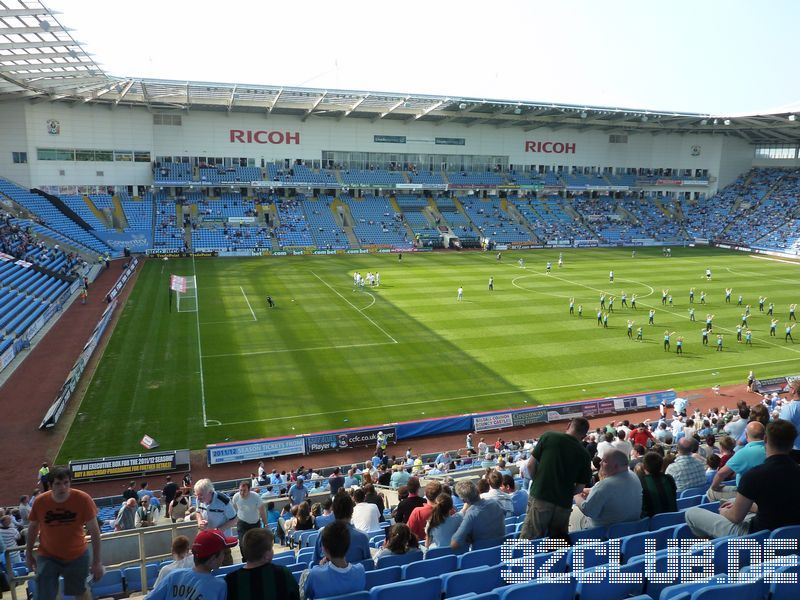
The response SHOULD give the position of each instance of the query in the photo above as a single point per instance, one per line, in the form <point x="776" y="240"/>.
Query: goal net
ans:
<point x="185" y="292"/>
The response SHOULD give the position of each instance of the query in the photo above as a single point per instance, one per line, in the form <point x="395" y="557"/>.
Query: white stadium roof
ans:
<point x="40" y="60"/>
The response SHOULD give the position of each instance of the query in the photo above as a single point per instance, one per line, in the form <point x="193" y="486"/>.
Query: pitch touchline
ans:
<point x="248" y="304"/>
<point x="199" y="346"/>
<point x="510" y="392"/>
<point x="260" y="352"/>
<point x="359" y="310"/>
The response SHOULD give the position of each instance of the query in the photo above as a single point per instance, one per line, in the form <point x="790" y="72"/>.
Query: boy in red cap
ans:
<point x="208" y="550"/>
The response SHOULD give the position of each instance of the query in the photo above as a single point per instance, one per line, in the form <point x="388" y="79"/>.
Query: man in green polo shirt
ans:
<point x="560" y="467"/>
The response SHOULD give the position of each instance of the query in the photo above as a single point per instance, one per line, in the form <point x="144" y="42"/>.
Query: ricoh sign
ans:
<point x="548" y="147"/>
<point x="261" y="136"/>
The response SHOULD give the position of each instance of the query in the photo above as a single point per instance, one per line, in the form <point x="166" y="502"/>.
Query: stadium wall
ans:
<point x="208" y="133"/>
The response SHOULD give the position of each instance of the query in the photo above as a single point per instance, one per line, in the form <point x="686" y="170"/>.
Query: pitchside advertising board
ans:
<point x="133" y="465"/>
<point x="219" y="454"/>
<point x="348" y="439"/>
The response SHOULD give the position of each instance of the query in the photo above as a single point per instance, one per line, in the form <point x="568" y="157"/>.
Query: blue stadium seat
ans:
<point x="606" y="590"/>
<point x="595" y="533"/>
<point x="479" y="558"/>
<point x="392" y="560"/>
<point x="694" y="491"/>
<point x="674" y="592"/>
<point x="111" y="584"/>
<point x="430" y="567"/>
<point x="740" y="591"/>
<point x="363" y="595"/>
<point x="539" y="591"/>
<point x="634" y="545"/>
<point x="667" y="519"/>
<point x="478" y="580"/>
<point x="437" y="552"/>
<point x="784" y="591"/>
<point x="619" y="530"/>
<point x="790" y="532"/>
<point x="384" y="576"/>
<point x="418" y="589"/>
<point x="133" y="577"/>
<point x="689" y="501"/>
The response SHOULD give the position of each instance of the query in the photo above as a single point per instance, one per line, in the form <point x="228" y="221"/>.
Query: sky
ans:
<point x="706" y="56"/>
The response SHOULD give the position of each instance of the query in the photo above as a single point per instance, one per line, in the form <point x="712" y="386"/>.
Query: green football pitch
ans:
<point x="329" y="356"/>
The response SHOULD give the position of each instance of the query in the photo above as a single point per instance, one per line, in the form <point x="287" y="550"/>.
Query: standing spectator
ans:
<point x="607" y="445"/>
<point x="622" y="444"/>
<point x="421" y="515"/>
<point x="642" y="435"/>
<point x="406" y="506"/>
<point x="442" y="524"/>
<point x="168" y="492"/>
<point x="259" y="578"/>
<point x="58" y="517"/>
<point x="399" y="540"/>
<point x="686" y="470"/>
<point x="358" y="549"/>
<point x="400" y="477"/>
<point x="208" y="551"/>
<point x="560" y="467"/>
<point x="181" y="558"/>
<point x="766" y="486"/>
<point x="214" y="511"/>
<point x="335" y="481"/>
<point x="146" y="514"/>
<point x="44" y="481"/>
<point x="365" y="514"/>
<point x="126" y="517"/>
<point x="178" y="507"/>
<point x="250" y="512"/>
<point x="10" y="537"/>
<point x="616" y="498"/>
<point x="337" y="575"/>
<point x="130" y="491"/>
<point x="298" y="492"/>
<point x="143" y="491"/>
<point x="659" y="492"/>
<point x="484" y="520"/>
<point x="791" y="412"/>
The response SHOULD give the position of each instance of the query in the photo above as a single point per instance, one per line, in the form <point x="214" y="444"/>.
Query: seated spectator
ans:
<point x="687" y="471"/>
<point x="259" y="578"/>
<point x="373" y="497"/>
<point x="616" y="498"/>
<point x="726" y="447"/>
<point x="365" y="514"/>
<point x="327" y="514"/>
<point x="766" y="486"/>
<point x="443" y="523"/>
<point x="637" y="454"/>
<point x="208" y="552"/>
<point x="751" y="455"/>
<point x="495" y="481"/>
<point x="358" y="549"/>
<point x="146" y="515"/>
<point x="519" y="498"/>
<point x="659" y="492"/>
<point x="708" y="446"/>
<point x="399" y="477"/>
<point x="483" y="520"/>
<point x="606" y="445"/>
<point x="712" y="466"/>
<point x="336" y="576"/>
<point x="421" y="515"/>
<point x="10" y="537"/>
<point x="181" y="558"/>
<point x="406" y="506"/>
<point x="663" y="434"/>
<point x="178" y="507"/>
<point x="301" y="520"/>
<point x="399" y="540"/>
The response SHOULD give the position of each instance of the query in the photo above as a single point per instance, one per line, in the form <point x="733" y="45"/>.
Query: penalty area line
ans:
<point x="248" y="304"/>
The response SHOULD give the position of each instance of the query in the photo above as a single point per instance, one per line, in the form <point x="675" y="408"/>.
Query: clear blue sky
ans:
<point x="728" y="58"/>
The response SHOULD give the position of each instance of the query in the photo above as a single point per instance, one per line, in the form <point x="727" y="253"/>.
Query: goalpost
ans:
<point x="185" y="292"/>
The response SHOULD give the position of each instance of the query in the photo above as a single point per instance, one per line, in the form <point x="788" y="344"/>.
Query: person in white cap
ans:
<point x="208" y="551"/>
<point x="380" y="442"/>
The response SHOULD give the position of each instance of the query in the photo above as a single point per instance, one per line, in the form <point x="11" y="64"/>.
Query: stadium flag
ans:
<point x="149" y="442"/>
<point x="177" y="283"/>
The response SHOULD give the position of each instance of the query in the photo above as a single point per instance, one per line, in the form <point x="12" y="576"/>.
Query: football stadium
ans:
<point x="448" y="346"/>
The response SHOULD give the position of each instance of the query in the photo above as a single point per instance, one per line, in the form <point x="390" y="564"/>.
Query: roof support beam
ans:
<point x="124" y="91"/>
<point x="313" y="107"/>
<point x="274" y="102"/>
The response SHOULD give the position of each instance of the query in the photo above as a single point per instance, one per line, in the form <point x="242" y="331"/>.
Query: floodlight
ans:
<point x="792" y="117"/>
<point x="462" y="106"/>
<point x="727" y="121"/>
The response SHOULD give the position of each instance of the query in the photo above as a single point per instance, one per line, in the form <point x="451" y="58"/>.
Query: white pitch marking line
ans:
<point x="226" y="322"/>
<point x="510" y="392"/>
<point x="199" y="346"/>
<point x="286" y="350"/>
<point x="359" y="310"/>
<point x="791" y="262"/>
<point x="248" y="304"/>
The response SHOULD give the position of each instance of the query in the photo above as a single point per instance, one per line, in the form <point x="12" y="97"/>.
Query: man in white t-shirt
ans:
<point x="250" y="510"/>
<point x="366" y="516"/>
<point x="606" y="445"/>
<point x="622" y="444"/>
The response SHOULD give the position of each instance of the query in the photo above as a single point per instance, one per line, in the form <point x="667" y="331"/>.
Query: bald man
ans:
<point x="751" y="455"/>
<point x="686" y="470"/>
